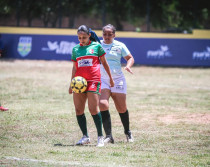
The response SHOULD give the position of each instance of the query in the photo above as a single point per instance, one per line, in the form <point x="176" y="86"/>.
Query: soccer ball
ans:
<point x="78" y="84"/>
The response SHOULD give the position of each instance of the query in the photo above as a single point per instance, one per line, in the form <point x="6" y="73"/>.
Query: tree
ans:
<point x="30" y="10"/>
<point x="160" y="14"/>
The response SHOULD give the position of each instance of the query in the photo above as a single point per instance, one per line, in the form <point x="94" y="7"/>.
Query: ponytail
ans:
<point x="93" y="36"/>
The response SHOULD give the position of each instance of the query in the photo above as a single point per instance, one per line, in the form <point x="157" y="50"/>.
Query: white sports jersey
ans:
<point x="114" y="52"/>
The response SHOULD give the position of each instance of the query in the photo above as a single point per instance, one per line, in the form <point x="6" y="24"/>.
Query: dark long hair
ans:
<point x="86" y="29"/>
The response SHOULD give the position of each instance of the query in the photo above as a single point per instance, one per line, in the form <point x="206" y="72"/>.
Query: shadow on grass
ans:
<point x="87" y="145"/>
<point x="72" y="145"/>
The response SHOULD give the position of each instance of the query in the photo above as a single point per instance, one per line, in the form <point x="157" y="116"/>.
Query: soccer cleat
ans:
<point x="109" y="139"/>
<point x="83" y="140"/>
<point x="3" y="109"/>
<point x="100" y="141"/>
<point x="129" y="137"/>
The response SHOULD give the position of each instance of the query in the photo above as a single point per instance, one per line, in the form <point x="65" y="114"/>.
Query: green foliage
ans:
<point x="161" y="14"/>
<point x="5" y="7"/>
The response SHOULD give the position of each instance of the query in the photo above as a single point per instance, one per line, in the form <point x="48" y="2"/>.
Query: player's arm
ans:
<point x="72" y="76"/>
<point x="130" y="61"/>
<point x="106" y="67"/>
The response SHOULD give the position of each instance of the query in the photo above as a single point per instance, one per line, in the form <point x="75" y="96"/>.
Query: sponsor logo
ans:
<point x="120" y="85"/>
<point x="91" y="51"/>
<point x="64" y="47"/>
<point x="117" y="50"/>
<point x="204" y="55"/>
<point x="161" y="53"/>
<point x="107" y="50"/>
<point x="24" y="46"/>
<point x="85" y="62"/>
<point x="93" y="85"/>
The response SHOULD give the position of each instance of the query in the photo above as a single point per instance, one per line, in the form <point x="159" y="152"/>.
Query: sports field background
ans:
<point x="169" y="115"/>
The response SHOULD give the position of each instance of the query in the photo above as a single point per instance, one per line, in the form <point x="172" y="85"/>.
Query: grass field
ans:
<point x="169" y="116"/>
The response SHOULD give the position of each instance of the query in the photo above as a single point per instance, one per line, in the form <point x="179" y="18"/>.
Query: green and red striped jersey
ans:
<point x="87" y="60"/>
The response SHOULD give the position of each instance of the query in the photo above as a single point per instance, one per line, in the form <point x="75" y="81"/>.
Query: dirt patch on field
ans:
<point x="186" y="118"/>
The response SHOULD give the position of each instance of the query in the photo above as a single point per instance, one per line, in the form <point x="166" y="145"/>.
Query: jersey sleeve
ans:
<point x="125" y="50"/>
<point x="73" y="56"/>
<point x="101" y="51"/>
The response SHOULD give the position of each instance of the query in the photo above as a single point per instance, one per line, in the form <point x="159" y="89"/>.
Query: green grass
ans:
<point x="169" y="116"/>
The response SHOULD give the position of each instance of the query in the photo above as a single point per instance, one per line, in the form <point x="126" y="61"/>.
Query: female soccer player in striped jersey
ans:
<point x="115" y="50"/>
<point x="86" y="63"/>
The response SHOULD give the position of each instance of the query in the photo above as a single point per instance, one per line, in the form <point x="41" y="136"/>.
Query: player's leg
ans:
<point x="119" y="96"/>
<point x="120" y="103"/>
<point x="106" y="118"/>
<point x="93" y="105"/>
<point x="104" y="99"/>
<point x="79" y="103"/>
<point x="93" y="102"/>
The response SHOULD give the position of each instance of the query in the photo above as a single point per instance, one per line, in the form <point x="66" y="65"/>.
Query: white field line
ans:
<point x="52" y="161"/>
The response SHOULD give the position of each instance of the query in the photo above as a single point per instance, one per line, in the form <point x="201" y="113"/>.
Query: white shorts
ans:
<point x="120" y="85"/>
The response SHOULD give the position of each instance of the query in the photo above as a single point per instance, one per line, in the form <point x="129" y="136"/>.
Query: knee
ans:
<point x="79" y="111"/>
<point x="103" y="105"/>
<point x="121" y="108"/>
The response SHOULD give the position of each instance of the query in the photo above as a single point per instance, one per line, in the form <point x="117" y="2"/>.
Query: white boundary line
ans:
<point x="52" y="161"/>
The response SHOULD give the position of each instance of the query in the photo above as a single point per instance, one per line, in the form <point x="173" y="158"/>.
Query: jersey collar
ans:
<point x="85" y="45"/>
<point x="107" y="44"/>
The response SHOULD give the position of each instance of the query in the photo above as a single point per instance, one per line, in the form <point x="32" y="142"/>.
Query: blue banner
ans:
<point x="146" y="51"/>
<point x="170" y="52"/>
<point x="39" y="47"/>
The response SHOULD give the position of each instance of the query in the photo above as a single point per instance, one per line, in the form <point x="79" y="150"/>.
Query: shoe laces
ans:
<point x="100" y="139"/>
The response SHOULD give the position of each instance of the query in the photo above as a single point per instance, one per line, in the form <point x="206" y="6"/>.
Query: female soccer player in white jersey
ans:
<point x="85" y="57"/>
<point x="115" y="50"/>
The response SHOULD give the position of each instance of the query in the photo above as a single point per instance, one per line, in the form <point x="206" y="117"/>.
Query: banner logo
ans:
<point x="161" y="53"/>
<point x="64" y="47"/>
<point x="24" y="46"/>
<point x="204" y="55"/>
